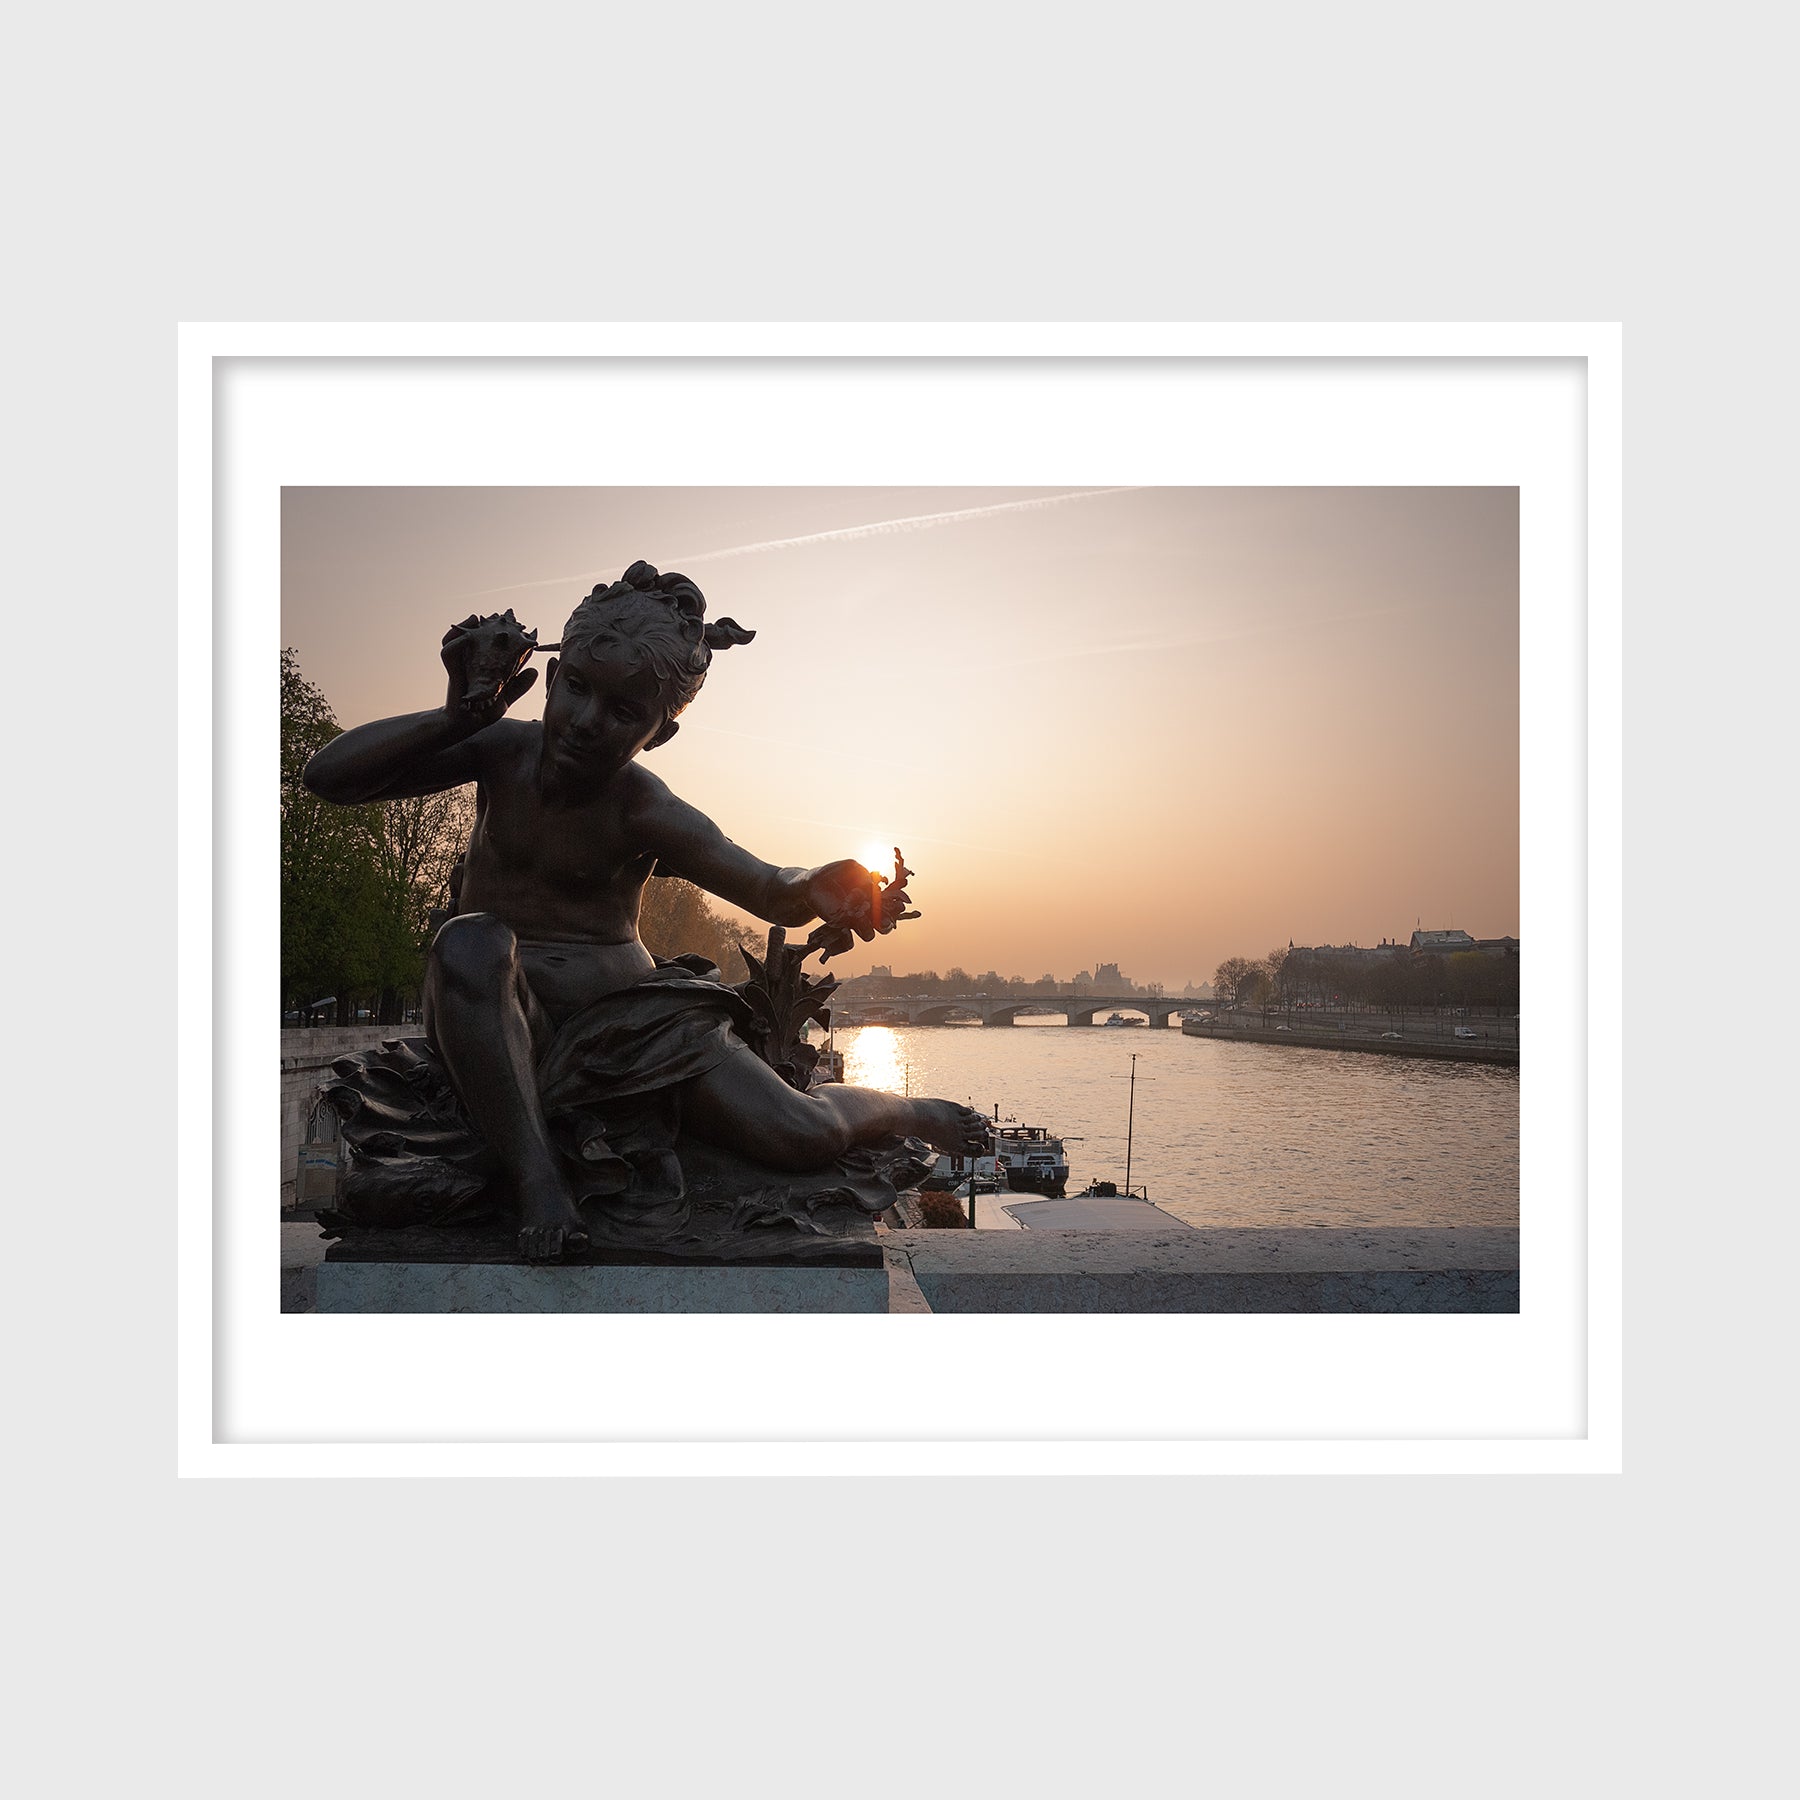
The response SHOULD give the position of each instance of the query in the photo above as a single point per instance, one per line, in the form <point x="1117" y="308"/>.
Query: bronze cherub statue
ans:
<point x="560" y="1058"/>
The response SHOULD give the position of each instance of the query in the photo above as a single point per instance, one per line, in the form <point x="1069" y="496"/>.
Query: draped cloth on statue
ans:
<point x="610" y="1082"/>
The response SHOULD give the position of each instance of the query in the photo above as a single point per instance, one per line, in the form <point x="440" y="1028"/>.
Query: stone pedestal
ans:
<point x="477" y="1269"/>
<point x="386" y="1287"/>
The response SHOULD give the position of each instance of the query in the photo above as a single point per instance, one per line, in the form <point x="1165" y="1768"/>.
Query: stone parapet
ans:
<point x="1299" y="1270"/>
<point x="1451" y="1270"/>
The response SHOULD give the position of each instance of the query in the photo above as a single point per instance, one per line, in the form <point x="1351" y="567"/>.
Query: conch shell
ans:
<point x="494" y="650"/>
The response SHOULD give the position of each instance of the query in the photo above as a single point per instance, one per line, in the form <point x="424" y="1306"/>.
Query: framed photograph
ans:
<point x="1230" y="717"/>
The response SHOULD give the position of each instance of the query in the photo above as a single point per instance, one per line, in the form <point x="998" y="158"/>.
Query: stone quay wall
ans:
<point x="305" y="1057"/>
<point x="1302" y="1038"/>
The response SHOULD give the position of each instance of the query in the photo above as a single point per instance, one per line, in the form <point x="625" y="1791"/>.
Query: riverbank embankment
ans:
<point x="305" y="1057"/>
<point x="1312" y="1037"/>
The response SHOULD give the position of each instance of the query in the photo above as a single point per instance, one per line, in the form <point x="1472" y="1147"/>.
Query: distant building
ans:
<point x="882" y="972"/>
<point x="1107" y="976"/>
<point x="1441" y="943"/>
<point x="1500" y="946"/>
<point x="1082" y="979"/>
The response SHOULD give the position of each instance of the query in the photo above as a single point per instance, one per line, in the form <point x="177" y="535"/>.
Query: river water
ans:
<point x="1232" y="1134"/>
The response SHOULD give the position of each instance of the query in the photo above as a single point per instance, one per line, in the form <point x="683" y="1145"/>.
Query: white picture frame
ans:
<point x="267" y="405"/>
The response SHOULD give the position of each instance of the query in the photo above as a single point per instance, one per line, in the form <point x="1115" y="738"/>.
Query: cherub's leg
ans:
<point x="745" y="1106"/>
<point x="480" y="1013"/>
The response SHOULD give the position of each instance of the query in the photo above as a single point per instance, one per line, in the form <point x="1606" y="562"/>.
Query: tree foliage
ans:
<point x="1390" y="979"/>
<point x="357" y="882"/>
<point x="676" y="919"/>
<point x="1240" y="982"/>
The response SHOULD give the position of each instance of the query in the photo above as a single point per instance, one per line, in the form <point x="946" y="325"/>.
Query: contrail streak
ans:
<point x="894" y="527"/>
<point x="844" y="535"/>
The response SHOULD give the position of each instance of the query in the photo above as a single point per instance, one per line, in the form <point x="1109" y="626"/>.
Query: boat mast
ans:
<point x="1130" y="1115"/>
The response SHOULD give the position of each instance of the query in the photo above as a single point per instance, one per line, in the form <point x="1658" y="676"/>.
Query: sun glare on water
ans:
<point x="874" y="1060"/>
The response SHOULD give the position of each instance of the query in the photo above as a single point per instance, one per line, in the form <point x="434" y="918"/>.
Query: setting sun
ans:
<point x="878" y="859"/>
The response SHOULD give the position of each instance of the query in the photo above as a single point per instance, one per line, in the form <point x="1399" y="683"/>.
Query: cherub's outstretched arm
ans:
<point x="687" y="843"/>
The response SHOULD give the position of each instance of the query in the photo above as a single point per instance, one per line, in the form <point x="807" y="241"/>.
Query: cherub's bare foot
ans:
<point x="956" y="1130"/>
<point x="549" y="1224"/>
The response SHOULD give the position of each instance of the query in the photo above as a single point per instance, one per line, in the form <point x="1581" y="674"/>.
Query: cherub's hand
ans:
<point x="486" y="659"/>
<point x="850" y="899"/>
<point x="846" y="894"/>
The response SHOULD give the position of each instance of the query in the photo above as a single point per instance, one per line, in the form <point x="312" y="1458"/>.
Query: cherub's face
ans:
<point x="599" y="712"/>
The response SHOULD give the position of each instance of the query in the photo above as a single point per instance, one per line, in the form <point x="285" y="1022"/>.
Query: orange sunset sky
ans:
<point x="1151" y="726"/>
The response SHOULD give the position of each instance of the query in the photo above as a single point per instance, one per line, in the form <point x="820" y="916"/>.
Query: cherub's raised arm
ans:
<point x="388" y="759"/>
<point x="426" y="752"/>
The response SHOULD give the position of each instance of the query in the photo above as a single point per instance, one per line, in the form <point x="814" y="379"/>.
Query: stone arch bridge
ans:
<point x="1089" y="1009"/>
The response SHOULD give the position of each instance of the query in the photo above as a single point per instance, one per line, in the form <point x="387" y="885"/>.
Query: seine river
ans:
<point x="1232" y="1134"/>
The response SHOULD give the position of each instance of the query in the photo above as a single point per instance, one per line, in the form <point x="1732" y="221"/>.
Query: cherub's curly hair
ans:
<point x="659" y="622"/>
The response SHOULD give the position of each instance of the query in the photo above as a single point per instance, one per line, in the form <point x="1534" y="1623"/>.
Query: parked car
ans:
<point x="1390" y="1034"/>
<point x="1467" y="1031"/>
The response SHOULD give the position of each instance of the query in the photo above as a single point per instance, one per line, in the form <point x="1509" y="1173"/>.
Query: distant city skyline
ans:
<point x="1186" y="724"/>
<point x="1109" y="977"/>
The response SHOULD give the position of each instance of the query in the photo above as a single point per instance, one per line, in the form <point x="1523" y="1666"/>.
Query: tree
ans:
<point x="357" y="882"/>
<point x="416" y="842"/>
<point x="1274" y="968"/>
<point x="676" y="919"/>
<point x="328" y="877"/>
<point x="1232" y="980"/>
<point x="1473" y="979"/>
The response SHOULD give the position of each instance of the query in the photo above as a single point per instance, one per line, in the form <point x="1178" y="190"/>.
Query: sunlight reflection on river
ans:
<point x="1232" y="1134"/>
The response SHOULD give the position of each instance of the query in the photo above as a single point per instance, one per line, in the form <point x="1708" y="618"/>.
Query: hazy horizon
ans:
<point x="1156" y="727"/>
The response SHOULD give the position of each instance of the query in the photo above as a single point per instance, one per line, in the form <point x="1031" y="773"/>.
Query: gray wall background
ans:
<point x="990" y="163"/>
